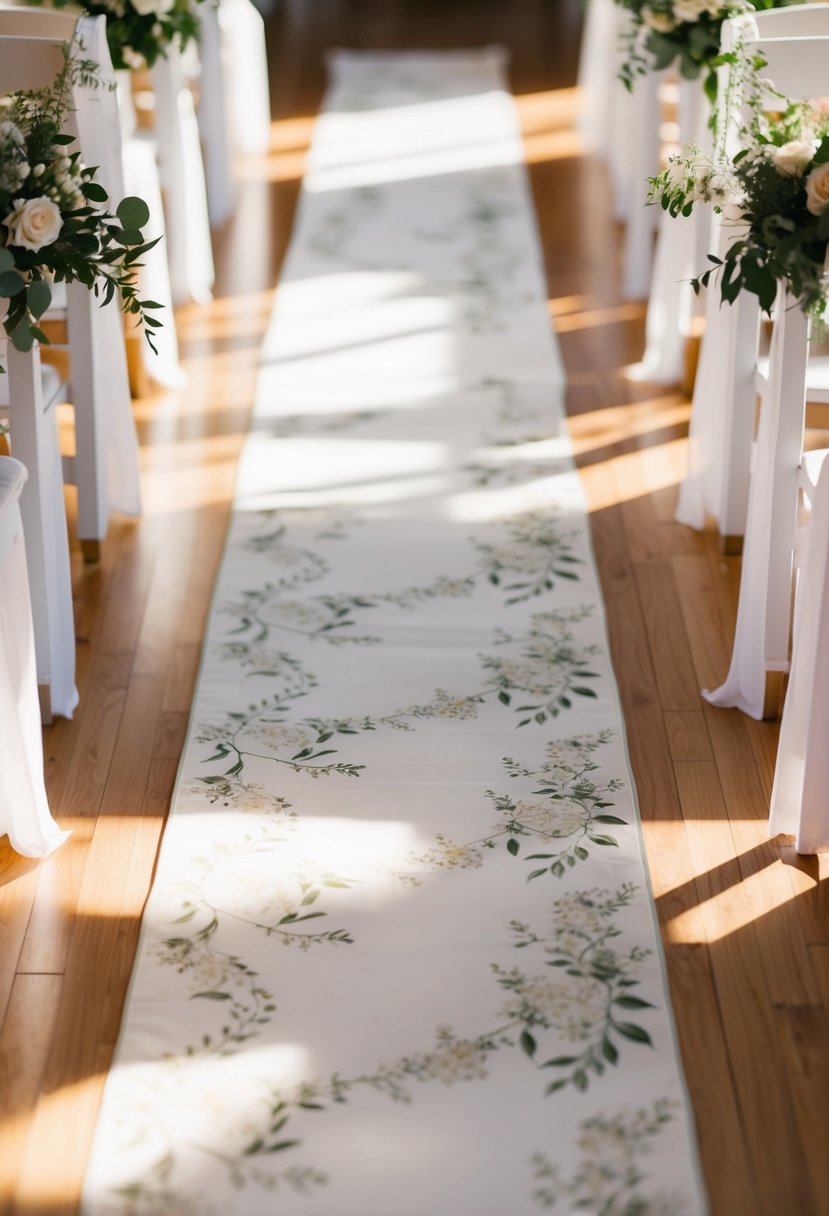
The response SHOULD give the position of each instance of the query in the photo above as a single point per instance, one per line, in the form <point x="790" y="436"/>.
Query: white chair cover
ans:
<point x="234" y="98"/>
<point x="799" y="799"/>
<point x="622" y="128"/>
<point x="601" y="90"/>
<point x="681" y="246"/>
<point x="245" y="60"/>
<point x="24" y="810"/>
<point x="106" y="466"/>
<point x="182" y="177"/>
<point x="34" y="439"/>
<point x="762" y="634"/>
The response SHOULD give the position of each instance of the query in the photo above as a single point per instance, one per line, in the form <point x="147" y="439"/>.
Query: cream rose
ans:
<point x="33" y="223"/>
<point x="151" y="8"/>
<point x="791" y="159"/>
<point x="817" y="189"/>
<point x="662" y="22"/>
<point x="689" y="10"/>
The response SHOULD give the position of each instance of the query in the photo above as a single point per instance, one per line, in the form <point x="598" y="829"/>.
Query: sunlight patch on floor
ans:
<point x="739" y="905"/>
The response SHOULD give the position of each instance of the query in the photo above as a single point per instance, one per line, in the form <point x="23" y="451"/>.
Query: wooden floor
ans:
<point x="745" y="921"/>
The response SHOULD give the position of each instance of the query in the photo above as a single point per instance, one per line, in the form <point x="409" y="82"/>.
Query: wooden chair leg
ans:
<point x="731" y="546"/>
<point x="774" y="695"/>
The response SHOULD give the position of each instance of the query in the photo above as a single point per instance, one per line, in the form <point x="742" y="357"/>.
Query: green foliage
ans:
<point x="663" y="33"/>
<point x="42" y="178"/>
<point x="780" y="232"/>
<point x="137" y="39"/>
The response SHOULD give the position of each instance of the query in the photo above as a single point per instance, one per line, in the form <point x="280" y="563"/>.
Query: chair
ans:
<point x="623" y="129"/>
<point x="181" y="169"/>
<point x="780" y="473"/>
<point x="234" y="98"/>
<point x="105" y="467"/>
<point x="799" y="805"/>
<point x="24" y="809"/>
<point x="729" y="374"/>
<point x="681" y="246"/>
<point x="34" y="437"/>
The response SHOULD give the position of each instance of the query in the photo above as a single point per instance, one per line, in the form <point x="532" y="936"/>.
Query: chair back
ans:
<point x="31" y="57"/>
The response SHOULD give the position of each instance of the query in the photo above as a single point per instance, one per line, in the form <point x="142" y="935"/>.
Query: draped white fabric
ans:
<point x="799" y="804"/>
<point x="400" y="956"/>
<point x="760" y="641"/>
<point x="24" y="810"/>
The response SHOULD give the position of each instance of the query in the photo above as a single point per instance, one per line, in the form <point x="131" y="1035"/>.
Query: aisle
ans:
<point x="405" y="760"/>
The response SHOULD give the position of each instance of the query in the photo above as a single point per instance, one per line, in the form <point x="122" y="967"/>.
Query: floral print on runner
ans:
<point x="400" y="955"/>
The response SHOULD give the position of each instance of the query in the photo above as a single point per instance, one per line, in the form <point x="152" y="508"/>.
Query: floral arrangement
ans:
<point x="50" y="208"/>
<point x="139" y="31"/>
<point x="684" y="32"/>
<point x="775" y="191"/>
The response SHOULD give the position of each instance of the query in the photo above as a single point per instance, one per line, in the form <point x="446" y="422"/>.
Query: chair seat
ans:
<point x="817" y="378"/>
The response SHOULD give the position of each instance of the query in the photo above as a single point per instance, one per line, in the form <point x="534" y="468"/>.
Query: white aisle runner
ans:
<point x="400" y="958"/>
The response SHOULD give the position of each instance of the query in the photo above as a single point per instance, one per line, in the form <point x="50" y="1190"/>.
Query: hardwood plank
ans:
<point x="667" y="639"/>
<point x="18" y="884"/>
<point x="737" y="951"/>
<point x="703" y="620"/>
<point x="769" y="896"/>
<point x="688" y="734"/>
<point x="711" y="1087"/>
<point x="804" y="1035"/>
<point x="28" y="1028"/>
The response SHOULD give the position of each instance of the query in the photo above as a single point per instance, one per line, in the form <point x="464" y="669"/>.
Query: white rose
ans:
<point x="11" y="133"/>
<point x="817" y="189"/>
<point x="33" y="223"/>
<point x="662" y="22"/>
<point x="150" y="8"/>
<point x="791" y="159"/>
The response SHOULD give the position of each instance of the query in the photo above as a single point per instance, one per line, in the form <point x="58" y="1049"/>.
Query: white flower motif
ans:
<point x="574" y="1006"/>
<point x="446" y="854"/>
<point x="549" y="818"/>
<point x="455" y="1060"/>
<point x="571" y="755"/>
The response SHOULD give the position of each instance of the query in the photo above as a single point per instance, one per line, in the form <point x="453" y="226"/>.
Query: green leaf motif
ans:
<point x="636" y="1033"/>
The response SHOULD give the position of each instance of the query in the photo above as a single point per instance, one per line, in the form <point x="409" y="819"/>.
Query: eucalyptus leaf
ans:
<point x="38" y="297"/>
<point x="11" y="283"/>
<point x="94" y="191"/>
<point x="133" y="212"/>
